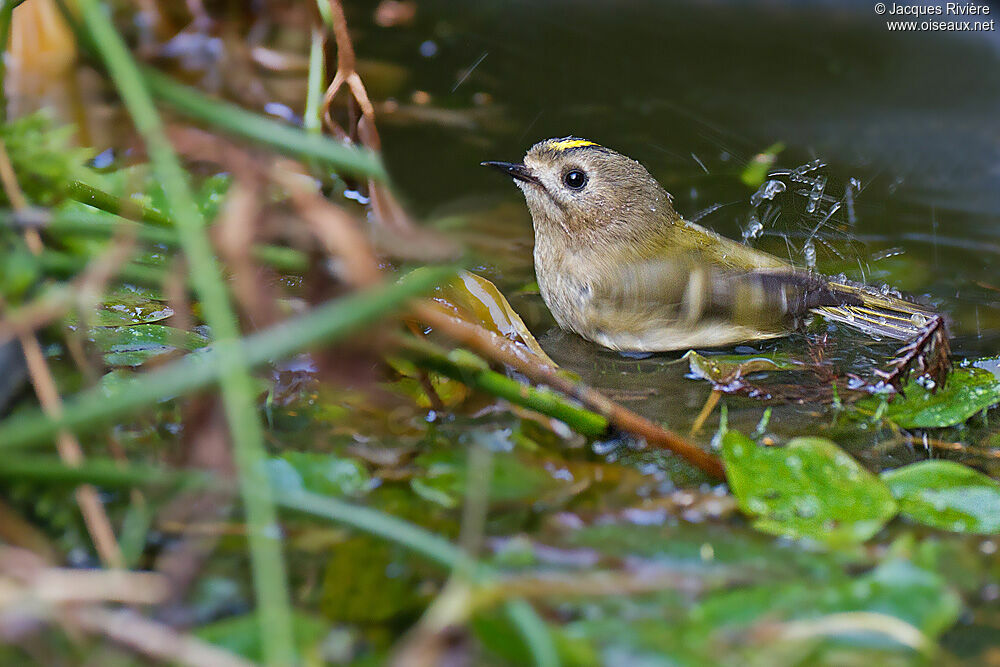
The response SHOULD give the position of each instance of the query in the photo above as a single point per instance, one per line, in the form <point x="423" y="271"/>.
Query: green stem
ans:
<point x="64" y="264"/>
<point x="380" y="524"/>
<point x="521" y="614"/>
<point x="324" y="12"/>
<point x="6" y="14"/>
<point x="473" y="371"/>
<point x="311" y="121"/>
<point x="91" y="196"/>
<point x="278" y="257"/>
<point x="269" y="575"/>
<point x="346" y="160"/>
<point x="102" y="472"/>
<point x="533" y="631"/>
<point x="324" y="323"/>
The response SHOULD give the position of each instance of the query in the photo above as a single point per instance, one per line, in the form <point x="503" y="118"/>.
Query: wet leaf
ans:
<point x="134" y="346"/>
<point x="756" y="170"/>
<point x="896" y="588"/>
<point x="725" y="368"/>
<point x="947" y="495"/>
<point x="744" y="625"/>
<point x="808" y="489"/>
<point x="368" y="580"/>
<point x="241" y="634"/>
<point x="967" y="391"/>
<point x="126" y="306"/>
<point x="445" y="478"/>
<point x="478" y="300"/>
<point x="326" y="474"/>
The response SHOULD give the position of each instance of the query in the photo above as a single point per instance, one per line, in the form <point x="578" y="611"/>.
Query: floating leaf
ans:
<point x="967" y="391"/>
<point x="808" y="489"/>
<point x="478" y="300"/>
<point x="895" y="588"/>
<point x="947" y="495"/>
<point x="134" y="346"/>
<point x="126" y="306"/>
<point x="445" y="479"/>
<point x="241" y="634"/>
<point x="325" y="474"/>
<point x="745" y="625"/>
<point x="725" y="368"/>
<point x="756" y="170"/>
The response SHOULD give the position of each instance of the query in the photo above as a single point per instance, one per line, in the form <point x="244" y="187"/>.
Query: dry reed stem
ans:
<point x="70" y="452"/>
<point x="384" y="205"/>
<point x="152" y="639"/>
<point x="521" y="359"/>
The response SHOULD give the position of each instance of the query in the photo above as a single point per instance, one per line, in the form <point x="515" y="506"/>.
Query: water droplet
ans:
<point x="809" y="253"/>
<point x="768" y="190"/>
<point x="753" y="229"/>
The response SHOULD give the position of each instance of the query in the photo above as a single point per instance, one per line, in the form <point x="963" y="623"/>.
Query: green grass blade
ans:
<point x="346" y="160"/>
<point x="267" y="560"/>
<point x="96" y="407"/>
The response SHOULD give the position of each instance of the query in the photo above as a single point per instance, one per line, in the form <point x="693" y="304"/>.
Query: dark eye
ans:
<point x="575" y="179"/>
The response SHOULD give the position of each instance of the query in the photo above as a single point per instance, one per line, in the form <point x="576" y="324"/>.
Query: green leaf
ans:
<point x="947" y="495"/>
<point x="807" y="489"/>
<point x="743" y="625"/>
<point x="130" y="305"/>
<point x="445" y="479"/>
<point x="756" y="170"/>
<point x="724" y="368"/>
<point x="896" y="588"/>
<point x="241" y="634"/>
<point x="967" y="391"/>
<point x="134" y="346"/>
<point x="325" y="474"/>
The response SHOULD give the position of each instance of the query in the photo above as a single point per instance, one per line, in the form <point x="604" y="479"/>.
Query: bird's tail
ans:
<point x="878" y="313"/>
<point x="882" y="314"/>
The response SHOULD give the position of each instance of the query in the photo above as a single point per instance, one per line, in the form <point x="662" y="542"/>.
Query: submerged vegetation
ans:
<point x="253" y="410"/>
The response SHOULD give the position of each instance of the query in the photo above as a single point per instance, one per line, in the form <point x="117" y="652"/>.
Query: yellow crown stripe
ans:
<point x="566" y="144"/>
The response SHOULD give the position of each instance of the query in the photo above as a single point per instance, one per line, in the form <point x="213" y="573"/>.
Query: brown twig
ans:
<point x="927" y="353"/>
<point x="94" y="516"/>
<point x="519" y="358"/>
<point x="387" y="210"/>
<point x="153" y="639"/>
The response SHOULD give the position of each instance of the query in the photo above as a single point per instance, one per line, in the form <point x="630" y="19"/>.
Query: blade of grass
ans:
<point x="91" y="196"/>
<point x="311" y="121"/>
<point x="278" y="257"/>
<point x="533" y="631"/>
<point x="267" y="561"/>
<point x="472" y="371"/>
<point x="346" y="160"/>
<point x="6" y="14"/>
<point x="333" y="320"/>
<point x="100" y="472"/>
<point x="521" y="614"/>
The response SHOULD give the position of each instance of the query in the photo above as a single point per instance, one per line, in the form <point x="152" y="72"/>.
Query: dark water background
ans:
<point x="694" y="90"/>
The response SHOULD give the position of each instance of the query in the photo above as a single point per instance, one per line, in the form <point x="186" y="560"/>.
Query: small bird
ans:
<point x="617" y="265"/>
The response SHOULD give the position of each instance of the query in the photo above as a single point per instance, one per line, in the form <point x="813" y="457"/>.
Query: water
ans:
<point x="891" y="186"/>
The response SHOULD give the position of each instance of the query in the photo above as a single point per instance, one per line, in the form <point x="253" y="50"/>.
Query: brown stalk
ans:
<point x="334" y="227"/>
<point x="521" y="359"/>
<point x="70" y="452"/>
<point x="387" y="210"/>
<point x="152" y="639"/>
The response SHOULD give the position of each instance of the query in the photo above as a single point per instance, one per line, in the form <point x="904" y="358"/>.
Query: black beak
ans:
<point x="516" y="171"/>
